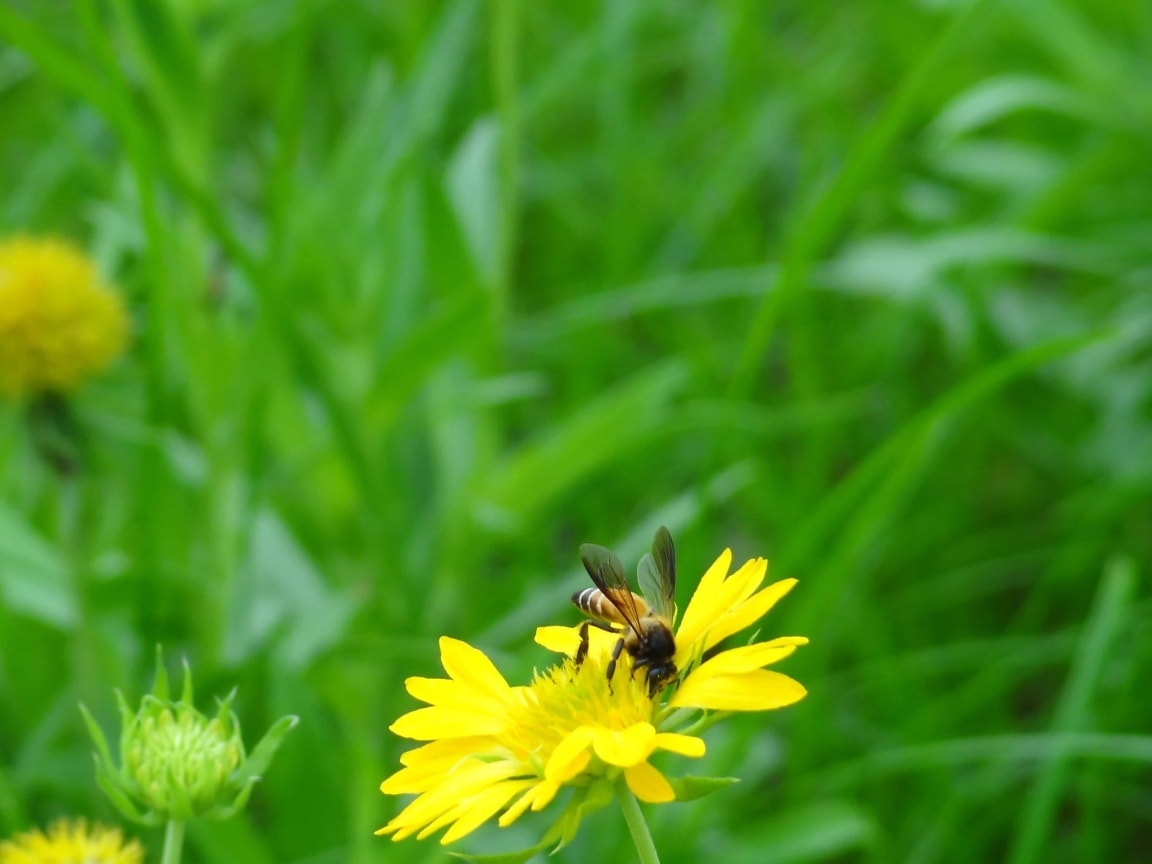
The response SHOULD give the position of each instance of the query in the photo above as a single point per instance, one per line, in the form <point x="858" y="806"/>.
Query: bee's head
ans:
<point x="659" y="676"/>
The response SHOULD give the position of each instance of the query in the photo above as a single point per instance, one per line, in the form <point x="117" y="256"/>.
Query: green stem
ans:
<point x="173" y="842"/>
<point x="637" y="827"/>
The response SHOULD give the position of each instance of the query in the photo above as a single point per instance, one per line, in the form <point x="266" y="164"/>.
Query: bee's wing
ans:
<point x="657" y="575"/>
<point x="608" y="574"/>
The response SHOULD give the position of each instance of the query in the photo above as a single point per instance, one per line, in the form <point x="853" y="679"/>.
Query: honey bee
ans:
<point x="644" y="624"/>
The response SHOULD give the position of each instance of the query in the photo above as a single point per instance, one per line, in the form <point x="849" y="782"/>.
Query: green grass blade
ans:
<point x="1073" y="711"/>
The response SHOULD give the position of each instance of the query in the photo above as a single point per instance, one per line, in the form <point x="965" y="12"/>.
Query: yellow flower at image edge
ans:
<point x="493" y="748"/>
<point x="59" y="323"/>
<point x="71" y="842"/>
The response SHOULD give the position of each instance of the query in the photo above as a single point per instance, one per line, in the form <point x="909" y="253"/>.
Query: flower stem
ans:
<point x="637" y="827"/>
<point x="173" y="842"/>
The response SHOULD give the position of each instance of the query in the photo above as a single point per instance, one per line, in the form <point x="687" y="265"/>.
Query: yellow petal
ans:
<point x="435" y="808"/>
<point x="743" y="583"/>
<point x="413" y="817"/>
<point x="447" y="751"/>
<point x="758" y="690"/>
<point x="748" y="657"/>
<point x="545" y="791"/>
<point x="625" y="747"/>
<point x="427" y="724"/>
<point x="470" y="666"/>
<point x="517" y="808"/>
<point x="423" y="811"/>
<point x="562" y="640"/>
<point x="412" y="780"/>
<point x="685" y="745"/>
<point x="538" y="797"/>
<point x="483" y="807"/>
<point x="446" y="693"/>
<point x="454" y="812"/>
<point x="747" y="612"/>
<point x="570" y="756"/>
<point x="715" y="575"/>
<point x="425" y="767"/>
<point x="702" y="607"/>
<point x="648" y="784"/>
<point x="725" y="599"/>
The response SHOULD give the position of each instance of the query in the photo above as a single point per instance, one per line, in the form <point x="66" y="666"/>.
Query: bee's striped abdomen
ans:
<point x="592" y="600"/>
<point x="597" y="604"/>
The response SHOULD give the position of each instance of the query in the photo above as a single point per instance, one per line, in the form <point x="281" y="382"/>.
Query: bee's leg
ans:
<point x="637" y="665"/>
<point x="582" y="651"/>
<point x="612" y="663"/>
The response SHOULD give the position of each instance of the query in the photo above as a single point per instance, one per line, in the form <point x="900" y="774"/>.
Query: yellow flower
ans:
<point x="59" y="323"/>
<point x="71" y="842"/>
<point x="495" y="748"/>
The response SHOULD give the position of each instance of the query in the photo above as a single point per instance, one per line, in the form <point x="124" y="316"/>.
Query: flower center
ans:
<point x="564" y="698"/>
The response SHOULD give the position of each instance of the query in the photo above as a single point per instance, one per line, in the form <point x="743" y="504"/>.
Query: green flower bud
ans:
<point x="177" y="763"/>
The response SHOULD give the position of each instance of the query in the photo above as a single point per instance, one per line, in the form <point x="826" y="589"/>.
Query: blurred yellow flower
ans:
<point x="494" y="748"/>
<point x="71" y="842"/>
<point x="59" y="323"/>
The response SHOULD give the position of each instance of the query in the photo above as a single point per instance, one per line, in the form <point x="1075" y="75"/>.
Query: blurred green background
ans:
<point x="427" y="294"/>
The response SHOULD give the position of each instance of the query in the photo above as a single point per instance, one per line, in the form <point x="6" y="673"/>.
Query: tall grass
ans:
<point x="426" y="294"/>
